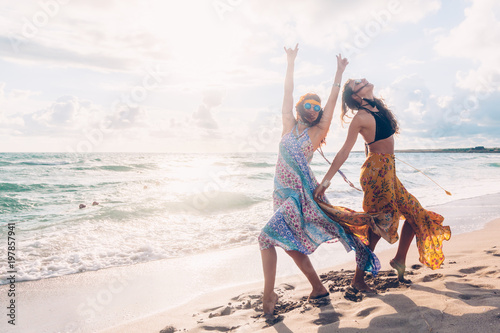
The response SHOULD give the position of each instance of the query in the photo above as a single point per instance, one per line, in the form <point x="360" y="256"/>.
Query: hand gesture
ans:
<point x="291" y="54"/>
<point x="319" y="192"/>
<point x="341" y="63"/>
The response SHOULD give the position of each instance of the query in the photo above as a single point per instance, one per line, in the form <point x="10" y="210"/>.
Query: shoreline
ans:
<point x="97" y="300"/>
<point x="441" y="208"/>
<point x="224" y="310"/>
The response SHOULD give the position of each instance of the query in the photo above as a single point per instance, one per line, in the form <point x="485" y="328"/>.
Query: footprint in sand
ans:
<point x="493" y="252"/>
<point x="273" y="321"/>
<point x="432" y="277"/>
<point x="219" y="328"/>
<point x="472" y="269"/>
<point x="225" y="311"/>
<point x="168" y="329"/>
<point x="354" y="295"/>
<point x="286" y="286"/>
<point x="326" y="318"/>
<point x="287" y="306"/>
<point x="212" y="309"/>
<point x="466" y="296"/>
<point x="367" y="312"/>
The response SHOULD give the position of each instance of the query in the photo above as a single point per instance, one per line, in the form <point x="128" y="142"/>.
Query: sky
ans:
<point x="207" y="75"/>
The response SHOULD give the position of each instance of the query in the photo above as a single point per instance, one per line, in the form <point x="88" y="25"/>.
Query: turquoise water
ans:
<point x="157" y="206"/>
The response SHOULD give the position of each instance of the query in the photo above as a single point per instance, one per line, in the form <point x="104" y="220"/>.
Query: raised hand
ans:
<point x="341" y="63"/>
<point x="291" y="54"/>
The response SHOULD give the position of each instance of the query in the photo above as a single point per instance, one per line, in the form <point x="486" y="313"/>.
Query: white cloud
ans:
<point x="203" y="116"/>
<point x="78" y="34"/>
<point x="223" y="79"/>
<point x="476" y="38"/>
<point x="327" y="24"/>
<point x="10" y="101"/>
<point x="405" y="62"/>
<point x="430" y="121"/>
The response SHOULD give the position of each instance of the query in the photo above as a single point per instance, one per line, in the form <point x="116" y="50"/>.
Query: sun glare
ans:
<point x="200" y="45"/>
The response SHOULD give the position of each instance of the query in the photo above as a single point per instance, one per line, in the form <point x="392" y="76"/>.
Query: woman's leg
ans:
<point x="269" y="260"/>
<point x="399" y="261"/>
<point x="358" y="281"/>
<point x="305" y="265"/>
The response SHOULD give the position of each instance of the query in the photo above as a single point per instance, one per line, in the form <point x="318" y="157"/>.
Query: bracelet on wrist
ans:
<point x="326" y="183"/>
<point x="335" y="84"/>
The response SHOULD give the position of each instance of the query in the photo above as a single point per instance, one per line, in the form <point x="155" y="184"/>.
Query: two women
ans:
<point x="299" y="225"/>
<point x="385" y="198"/>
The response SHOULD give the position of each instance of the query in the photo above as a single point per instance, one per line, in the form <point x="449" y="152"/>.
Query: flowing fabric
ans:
<point x="387" y="200"/>
<point x="298" y="223"/>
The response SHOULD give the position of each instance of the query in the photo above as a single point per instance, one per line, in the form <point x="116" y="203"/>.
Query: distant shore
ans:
<point x="479" y="149"/>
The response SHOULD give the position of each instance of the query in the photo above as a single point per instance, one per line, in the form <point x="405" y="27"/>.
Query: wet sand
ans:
<point x="462" y="296"/>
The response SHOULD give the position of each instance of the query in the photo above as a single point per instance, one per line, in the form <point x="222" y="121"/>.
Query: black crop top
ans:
<point x="383" y="128"/>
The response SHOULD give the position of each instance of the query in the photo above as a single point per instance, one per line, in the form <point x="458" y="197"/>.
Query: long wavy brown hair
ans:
<point x="349" y="104"/>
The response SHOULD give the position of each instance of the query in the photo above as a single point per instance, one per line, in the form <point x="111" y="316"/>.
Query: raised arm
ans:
<point x="326" y="120"/>
<point x="341" y="157"/>
<point x="287" y="110"/>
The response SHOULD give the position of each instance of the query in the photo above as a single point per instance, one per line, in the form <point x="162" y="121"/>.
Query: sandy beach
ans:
<point x="462" y="296"/>
<point x="221" y="290"/>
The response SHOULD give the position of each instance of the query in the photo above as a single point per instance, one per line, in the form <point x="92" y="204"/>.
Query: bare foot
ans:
<point x="399" y="267"/>
<point x="320" y="293"/>
<point x="362" y="286"/>
<point x="269" y="304"/>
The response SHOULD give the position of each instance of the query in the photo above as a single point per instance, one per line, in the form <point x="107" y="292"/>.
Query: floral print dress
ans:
<point x="387" y="200"/>
<point x="298" y="223"/>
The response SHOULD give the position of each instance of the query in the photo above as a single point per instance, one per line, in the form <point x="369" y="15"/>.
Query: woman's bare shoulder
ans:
<point x="362" y="119"/>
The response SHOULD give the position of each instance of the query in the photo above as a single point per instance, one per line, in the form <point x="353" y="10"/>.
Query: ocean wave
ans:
<point x="212" y="202"/>
<point x="78" y="262"/>
<point x="13" y="205"/>
<point x="86" y="168"/>
<point x="148" y="166"/>
<point x="11" y="187"/>
<point x="32" y="163"/>
<point x="494" y="165"/>
<point x="262" y="175"/>
<point x="258" y="164"/>
<point x="116" y="168"/>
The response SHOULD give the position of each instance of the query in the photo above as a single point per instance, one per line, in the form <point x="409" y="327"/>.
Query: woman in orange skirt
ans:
<point x="385" y="198"/>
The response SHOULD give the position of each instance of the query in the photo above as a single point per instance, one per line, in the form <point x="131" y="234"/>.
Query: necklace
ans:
<point x="303" y="123"/>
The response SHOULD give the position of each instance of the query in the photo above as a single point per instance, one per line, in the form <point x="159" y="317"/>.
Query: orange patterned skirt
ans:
<point x="353" y="222"/>
<point x="387" y="200"/>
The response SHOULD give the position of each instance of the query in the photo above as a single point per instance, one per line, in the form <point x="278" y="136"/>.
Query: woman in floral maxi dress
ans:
<point x="299" y="225"/>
